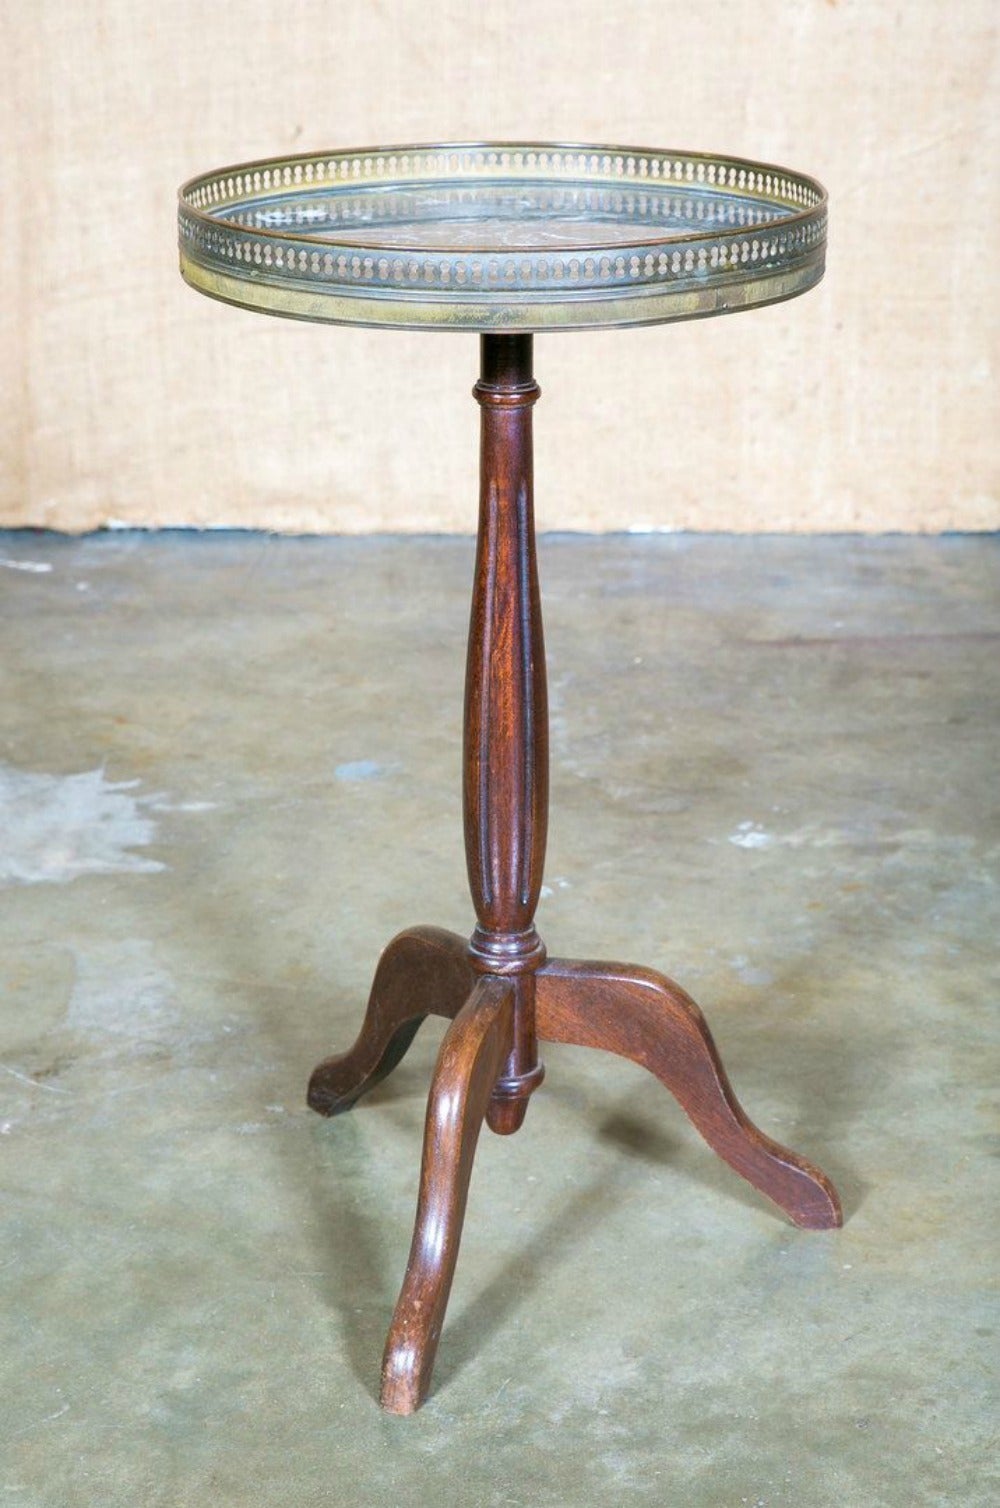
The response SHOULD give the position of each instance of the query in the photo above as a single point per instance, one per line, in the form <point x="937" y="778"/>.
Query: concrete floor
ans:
<point x="229" y="771"/>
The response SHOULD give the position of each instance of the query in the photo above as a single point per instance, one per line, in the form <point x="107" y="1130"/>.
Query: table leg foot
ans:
<point x="423" y="971"/>
<point x="473" y="1053"/>
<point x="640" y="1014"/>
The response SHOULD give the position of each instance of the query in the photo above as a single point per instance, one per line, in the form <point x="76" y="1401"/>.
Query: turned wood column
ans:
<point x="506" y="774"/>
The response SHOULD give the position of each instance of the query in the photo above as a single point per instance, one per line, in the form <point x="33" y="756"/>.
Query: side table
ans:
<point x="508" y="239"/>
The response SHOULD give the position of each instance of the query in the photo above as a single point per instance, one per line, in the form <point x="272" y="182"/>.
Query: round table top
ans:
<point x="512" y="237"/>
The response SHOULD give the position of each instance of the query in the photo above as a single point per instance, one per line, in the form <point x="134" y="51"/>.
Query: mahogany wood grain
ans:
<point x="488" y="1064"/>
<point x="423" y="971"/>
<point x="475" y="1048"/>
<point x="506" y="763"/>
<point x="505" y="741"/>
<point x="640" y="1014"/>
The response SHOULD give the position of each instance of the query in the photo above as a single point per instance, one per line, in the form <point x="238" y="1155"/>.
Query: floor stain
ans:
<point x="60" y="827"/>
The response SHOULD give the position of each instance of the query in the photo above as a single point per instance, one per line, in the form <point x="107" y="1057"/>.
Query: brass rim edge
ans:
<point x="620" y="308"/>
<point x="816" y="206"/>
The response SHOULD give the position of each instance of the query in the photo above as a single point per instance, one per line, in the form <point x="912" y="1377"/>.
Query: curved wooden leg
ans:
<point x="423" y="971"/>
<point x="642" y="1015"/>
<point x="472" y="1055"/>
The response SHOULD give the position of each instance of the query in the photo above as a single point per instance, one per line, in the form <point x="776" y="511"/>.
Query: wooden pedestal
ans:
<point x="499" y="990"/>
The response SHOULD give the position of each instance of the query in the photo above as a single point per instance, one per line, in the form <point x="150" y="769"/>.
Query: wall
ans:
<point x="868" y="405"/>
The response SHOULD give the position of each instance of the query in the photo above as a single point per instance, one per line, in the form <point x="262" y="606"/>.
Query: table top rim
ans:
<point x="289" y="269"/>
<point x="590" y="148"/>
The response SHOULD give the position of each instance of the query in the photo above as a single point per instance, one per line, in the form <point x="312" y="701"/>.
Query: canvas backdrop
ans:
<point x="870" y="404"/>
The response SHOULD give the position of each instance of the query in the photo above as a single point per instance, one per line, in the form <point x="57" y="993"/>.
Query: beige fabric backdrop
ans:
<point x="870" y="404"/>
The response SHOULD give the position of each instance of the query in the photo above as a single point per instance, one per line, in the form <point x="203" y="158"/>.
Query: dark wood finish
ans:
<point x="506" y="764"/>
<point x="640" y="1014"/>
<point x="488" y="1065"/>
<point x="424" y="971"/>
<point x="475" y="1048"/>
<point x="506" y="748"/>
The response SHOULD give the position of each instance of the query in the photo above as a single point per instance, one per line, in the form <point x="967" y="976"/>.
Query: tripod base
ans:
<point x="634" y="1012"/>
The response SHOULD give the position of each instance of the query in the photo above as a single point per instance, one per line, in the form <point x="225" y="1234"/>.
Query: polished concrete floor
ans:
<point x="229" y="771"/>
